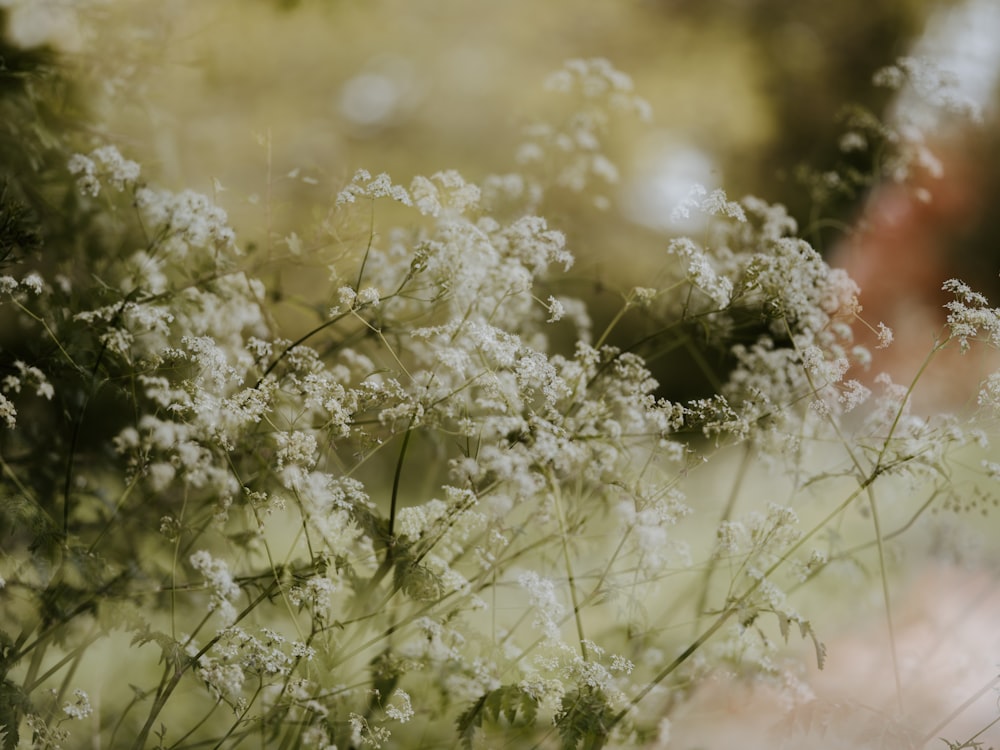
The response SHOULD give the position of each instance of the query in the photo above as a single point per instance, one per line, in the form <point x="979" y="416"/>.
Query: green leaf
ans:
<point x="507" y="701"/>
<point x="469" y="720"/>
<point x="13" y="702"/>
<point x="584" y="719"/>
<point x="171" y="651"/>
<point x="415" y="580"/>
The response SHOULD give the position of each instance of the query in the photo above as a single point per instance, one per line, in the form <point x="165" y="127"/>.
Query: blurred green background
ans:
<point x="742" y="91"/>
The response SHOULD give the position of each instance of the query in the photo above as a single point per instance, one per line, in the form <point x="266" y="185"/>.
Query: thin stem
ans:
<point x="55" y="339"/>
<point x="730" y="610"/>
<point x="726" y="515"/>
<point x="885" y="597"/>
<point x="672" y="666"/>
<point x="368" y="248"/>
<point x="909" y="392"/>
<point x="988" y="687"/>
<point x="114" y="513"/>
<point x="70" y="462"/>
<point x="272" y="566"/>
<point x="76" y="653"/>
<point x="397" y="476"/>
<point x="846" y="554"/>
<point x="298" y="342"/>
<point x="610" y="327"/>
<point x="563" y="538"/>
<point x="179" y="669"/>
<point x="242" y="716"/>
<point x="197" y="725"/>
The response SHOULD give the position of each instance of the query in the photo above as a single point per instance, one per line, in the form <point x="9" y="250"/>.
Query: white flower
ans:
<point x="364" y="186"/>
<point x="701" y="272"/>
<point x="347" y="296"/>
<point x="33" y="282"/>
<point x="401" y="710"/>
<point x="368" y="296"/>
<point x="556" y="310"/>
<point x="105" y="163"/>
<point x="884" y="336"/>
<point x="86" y="182"/>
<point x="364" y="733"/>
<point x="298" y="448"/>
<point x="548" y="609"/>
<point x="116" y="169"/>
<point x="220" y="580"/>
<point x="188" y="218"/>
<point x="80" y="708"/>
<point x="969" y="315"/>
<point x="443" y="192"/>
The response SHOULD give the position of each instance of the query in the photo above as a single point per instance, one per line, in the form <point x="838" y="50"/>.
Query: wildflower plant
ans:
<point x="441" y="506"/>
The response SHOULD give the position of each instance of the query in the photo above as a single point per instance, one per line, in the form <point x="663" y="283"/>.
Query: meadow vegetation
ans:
<point x="381" y="477"/>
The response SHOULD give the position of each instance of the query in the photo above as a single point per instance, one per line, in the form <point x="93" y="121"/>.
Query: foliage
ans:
<point x="435" y="505"/>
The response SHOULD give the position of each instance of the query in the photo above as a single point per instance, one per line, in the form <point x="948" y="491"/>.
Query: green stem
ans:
<point x="76" y="653"/>
<point x="180" y="668"/>
<point x="298" y="342"/>
<point x="727" y="513"/>
<point x="610" y="327"/>
<point x="672" y="666"/>
<point x="393" y="503"/>
<point x="734" y="607"/>
<point x="368" y="248"/>
<point x="563" y="534"/>
<point x="240" y="719"/>
<point x="196" y="726"/>
<point x="885" y="597"/>
<point x="909" y="392"/>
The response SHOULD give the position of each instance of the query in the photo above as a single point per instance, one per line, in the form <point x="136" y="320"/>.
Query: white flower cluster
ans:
<point x="317" y="593"/>
<point x="220" y="581"/>
<point x="26" y="375"/>
<point x="31" y="283"/>
<point x="236" y="655"/>
<point x="366" y="733"/>
<point x="970" y="315"/>
<point x="574" y="149"/>
<point x="104" y="164"/>
<point x="931" y="83"/>
<point x="401" y="709"/>
<point x="701" y="272"/>
<point x="444" y="192"/>
<point x="548" y="608"/>
<point x="80" y="708"/>
<point x="187" y="220"/>
<point x="363" y="185"/>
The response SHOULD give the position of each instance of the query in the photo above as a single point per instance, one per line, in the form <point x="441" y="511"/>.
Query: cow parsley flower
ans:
<point x="368" y="297"/>
<point x="224" y="589"/>
<point x="105" y="163"/>
<point x="80" y="708"/>
<point x="188" y="219"/>
<point x="970" y="316"/>
<point x="556" y="310"/>
<point x="363" y="185"/>
<point x="401" y="709"/>
<point x="444" y="193"/>
<point x="365" y="733"/>
<point x="884" y="334"/>
<point x="548" y="609"/>
<point x="701" y="272"/>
